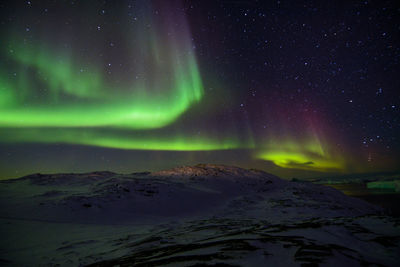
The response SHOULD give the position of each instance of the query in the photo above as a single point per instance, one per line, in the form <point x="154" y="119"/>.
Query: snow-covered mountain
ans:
<point x="204" y="214"/>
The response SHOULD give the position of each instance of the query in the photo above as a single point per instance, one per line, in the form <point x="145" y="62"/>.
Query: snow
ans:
<point x="189" y="215"/>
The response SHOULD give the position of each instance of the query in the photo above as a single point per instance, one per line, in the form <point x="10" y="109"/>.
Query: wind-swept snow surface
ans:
<point x="206" y="214"/>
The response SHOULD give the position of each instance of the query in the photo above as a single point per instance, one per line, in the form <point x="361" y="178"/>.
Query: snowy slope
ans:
<point x="188" y="215"/>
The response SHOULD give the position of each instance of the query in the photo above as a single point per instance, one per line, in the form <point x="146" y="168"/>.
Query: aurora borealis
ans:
<point x="287" y="88"/>
<point x="77" y="97"/>
<point x="299" y="155"/>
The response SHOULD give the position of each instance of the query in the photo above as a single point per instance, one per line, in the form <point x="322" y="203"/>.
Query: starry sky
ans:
<point x="295" y="88"/>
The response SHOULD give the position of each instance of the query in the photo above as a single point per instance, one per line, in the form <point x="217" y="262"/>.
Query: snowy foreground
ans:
<point x="201" y="215"/>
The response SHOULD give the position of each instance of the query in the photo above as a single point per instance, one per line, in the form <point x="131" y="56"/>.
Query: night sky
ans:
<point x="296" y="88"/>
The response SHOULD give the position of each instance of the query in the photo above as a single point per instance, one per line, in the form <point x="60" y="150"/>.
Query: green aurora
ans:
<point x="123" y="140"/>
<point x="54" y="97"/>
<point x="307" y="154"/>
<point x="83" y="99"/>
<point x="79" y="106"/>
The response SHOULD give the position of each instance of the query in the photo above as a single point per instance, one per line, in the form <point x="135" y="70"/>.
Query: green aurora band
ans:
<point x="159" y="81"/>
<point x="90" y="102"/>
<point x="55" y="98"/>
<point x="122" y="140"/>
<point x="307" y="154"/>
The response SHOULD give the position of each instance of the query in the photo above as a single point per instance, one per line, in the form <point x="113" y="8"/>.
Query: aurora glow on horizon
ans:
<point x="193" y="80"/>
<point x="307" y="155"/>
